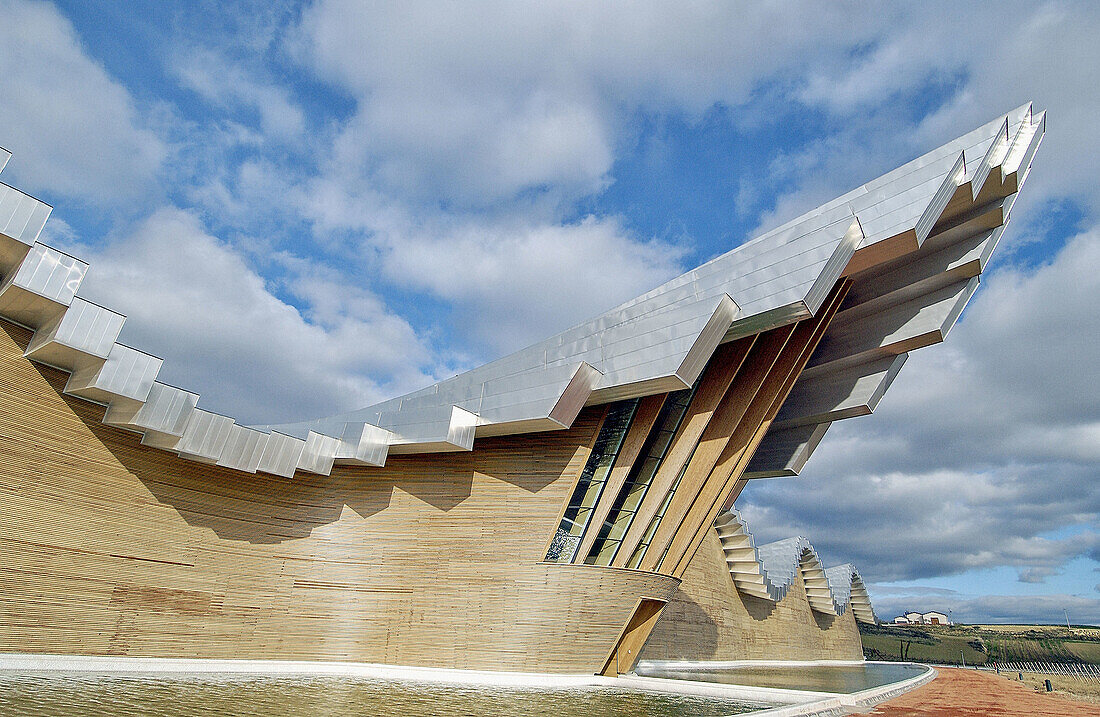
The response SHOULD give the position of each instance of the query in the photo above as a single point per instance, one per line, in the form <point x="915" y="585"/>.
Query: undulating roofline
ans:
<point x="768" y="571"/>
<point x="913" y="241"/>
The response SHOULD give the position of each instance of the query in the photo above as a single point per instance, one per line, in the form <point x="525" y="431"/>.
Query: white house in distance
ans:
<point x="922" y="618"/>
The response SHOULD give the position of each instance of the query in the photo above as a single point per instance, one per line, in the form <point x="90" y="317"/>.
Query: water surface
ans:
<point x="844" y="679"/>
<point x="83" y="695"/>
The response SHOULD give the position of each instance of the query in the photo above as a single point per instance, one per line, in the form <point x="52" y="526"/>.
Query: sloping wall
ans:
<point x="108" y="547"/>
<point x="708" y="619"/>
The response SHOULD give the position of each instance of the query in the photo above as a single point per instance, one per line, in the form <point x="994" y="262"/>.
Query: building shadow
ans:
<point x="758" y="608"/>
<point x="260" y="509"/>
<point x="822" y="620"/>
<point x="685" y="632"/>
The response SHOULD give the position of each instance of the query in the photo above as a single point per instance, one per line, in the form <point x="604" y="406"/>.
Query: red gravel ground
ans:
<point x="963" y="693"/>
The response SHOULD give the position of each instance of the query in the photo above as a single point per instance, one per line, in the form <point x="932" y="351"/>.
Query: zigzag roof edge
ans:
<point x="905" y="302"/>
<point x="768" y="571"/>
<point x="848" y="588"/>
<point x="772" y="280"/>
<point x="777" y="278"/>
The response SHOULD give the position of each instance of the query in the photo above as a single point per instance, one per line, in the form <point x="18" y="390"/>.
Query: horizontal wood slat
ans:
<point x="111" y="547"/>
<point x="749" y="433"/>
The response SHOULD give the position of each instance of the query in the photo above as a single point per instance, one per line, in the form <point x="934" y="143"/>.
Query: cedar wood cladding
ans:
<point x="709" y="619"/>
<point x="108" y="547"/>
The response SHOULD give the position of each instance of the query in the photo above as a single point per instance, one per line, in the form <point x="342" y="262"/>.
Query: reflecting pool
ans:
<point x="56" y="694"/>
<point x="843" y="679"/>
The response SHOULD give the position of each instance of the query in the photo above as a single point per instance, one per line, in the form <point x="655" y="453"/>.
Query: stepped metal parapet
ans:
<point x="162" y="416"/>
<point x="281" y="454"/>
<point x="913" y="242"/>
<point x="126" y="375"/>
<point x="899" y="301"/>
<point x="848" y="589"/>
<point x="768" y="571"/>
<point x="41" y="287"/>
<point x="22" y="218"/>
<point x="78" y="337"/>
<point x="244" y="448"/>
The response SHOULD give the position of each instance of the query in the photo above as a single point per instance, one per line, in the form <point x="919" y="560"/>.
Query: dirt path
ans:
<point x="963" y="693"/>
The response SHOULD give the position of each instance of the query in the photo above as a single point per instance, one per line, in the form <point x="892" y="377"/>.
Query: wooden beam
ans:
<point x="736" y="401"/>
<point x="644" y="418"/>
<point x="713" y="384"/>
<point x="624" y="655"/>
<point x="686" y="534"/>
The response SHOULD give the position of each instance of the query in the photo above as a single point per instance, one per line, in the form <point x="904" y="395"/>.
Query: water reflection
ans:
<point x="81" y="695"/>
<point x="844" y="679"/>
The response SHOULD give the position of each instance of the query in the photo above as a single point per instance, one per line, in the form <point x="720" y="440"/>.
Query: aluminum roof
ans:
<point x="913" y="241"/>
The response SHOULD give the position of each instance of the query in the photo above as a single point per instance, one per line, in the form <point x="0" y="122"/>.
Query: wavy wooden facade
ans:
<point x="110" y="547"/>
<point x="536" y="513"/>
<point x="709" y="619"/>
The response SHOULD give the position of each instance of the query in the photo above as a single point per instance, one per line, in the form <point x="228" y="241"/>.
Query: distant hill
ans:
<point x="981" y="644"/>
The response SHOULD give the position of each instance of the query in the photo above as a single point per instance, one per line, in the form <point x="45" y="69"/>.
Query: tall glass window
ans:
<point x="592" y="481"/>
<point x="637" y="483"/>
<point x="651" y="529"/>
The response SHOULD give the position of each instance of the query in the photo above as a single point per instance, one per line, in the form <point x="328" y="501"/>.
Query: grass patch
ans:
<point x="981" y="644"/>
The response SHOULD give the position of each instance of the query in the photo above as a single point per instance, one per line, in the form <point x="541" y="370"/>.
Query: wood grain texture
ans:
<point x="111" y="547"/>
<point x="714" y="382"/>
<point x="715" y="493"/>
<point x="730" y="415"/>
<point x="627" y="648"/>
<point x="708" y="619"/>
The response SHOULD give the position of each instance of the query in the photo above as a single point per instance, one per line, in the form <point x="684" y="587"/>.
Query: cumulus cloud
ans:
<point x="514" y="283"/>
<point x="73" y="129"/>
<point x="481" y="102"/>
<point x="510" y="278"/>
<point x="224" y="333"/>
<point x="1026" y="55"/>
<point x="981" y="447"/>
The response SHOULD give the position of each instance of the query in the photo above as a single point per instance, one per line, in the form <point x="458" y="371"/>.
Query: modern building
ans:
<point x="922" y="618"/>
<point x="562" y="509"/>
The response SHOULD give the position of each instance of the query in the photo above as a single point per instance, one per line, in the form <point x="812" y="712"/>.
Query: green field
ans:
<point x="981" y="644"/>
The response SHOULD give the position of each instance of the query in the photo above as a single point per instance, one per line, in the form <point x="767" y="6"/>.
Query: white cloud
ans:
<point x="514" y="283"/>
<point x="72" y="128"/>
<point x="194" y="301"/>
<point x="476" y="103"/>
<point x="983" y="63"/>
<point x="227" y="84"/>
<point x="509" y="278"/>
<point x="1005" y="609"/>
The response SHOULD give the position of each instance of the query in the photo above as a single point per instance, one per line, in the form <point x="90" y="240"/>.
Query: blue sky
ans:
<point x="307" y="208"/>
